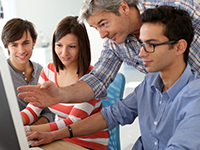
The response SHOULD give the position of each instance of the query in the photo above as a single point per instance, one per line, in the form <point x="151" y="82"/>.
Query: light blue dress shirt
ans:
<point x="168" y="120"/>
<point x="113" y="54"/>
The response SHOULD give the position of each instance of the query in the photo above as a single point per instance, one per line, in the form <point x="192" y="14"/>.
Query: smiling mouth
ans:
<point x="22" y="57"/>
<point x="114" y="37"/>
<point x="146" y="62"/>
<point x="65" y="59"/>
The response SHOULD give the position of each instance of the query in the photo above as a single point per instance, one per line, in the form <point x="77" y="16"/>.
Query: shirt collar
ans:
<point x="179" y="84"/>
<point x="130" y="37"/>
<point x="141" y="7"/>
<point x="11" y="65"/>
<point x="18" y="71"/>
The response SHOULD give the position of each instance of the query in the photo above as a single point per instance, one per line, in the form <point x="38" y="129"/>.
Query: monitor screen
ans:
<point x="8" y="138"/>
<point x="12" y="134"/>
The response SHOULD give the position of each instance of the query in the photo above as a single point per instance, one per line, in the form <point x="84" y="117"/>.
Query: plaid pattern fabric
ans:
<point x="113" y="55"/>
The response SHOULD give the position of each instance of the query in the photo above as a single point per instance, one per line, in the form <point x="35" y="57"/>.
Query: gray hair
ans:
<point x="92" y="7"/>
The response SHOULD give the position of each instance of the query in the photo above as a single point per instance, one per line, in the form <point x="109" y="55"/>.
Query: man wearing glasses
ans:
<point x="119" y="22"/>
<point x="167" y="102"/>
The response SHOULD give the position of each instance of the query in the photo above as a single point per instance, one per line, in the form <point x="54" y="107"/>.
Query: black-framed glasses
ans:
<point x="150" y="47"/>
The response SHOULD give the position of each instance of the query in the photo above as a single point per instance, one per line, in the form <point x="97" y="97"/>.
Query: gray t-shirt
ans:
<point x="18" y="79"/>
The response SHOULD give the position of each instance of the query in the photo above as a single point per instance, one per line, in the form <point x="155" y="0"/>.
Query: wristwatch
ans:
<point x="28" y="129"/>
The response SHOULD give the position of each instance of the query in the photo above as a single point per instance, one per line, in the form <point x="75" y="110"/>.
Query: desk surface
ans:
<point x="62" y="145"/>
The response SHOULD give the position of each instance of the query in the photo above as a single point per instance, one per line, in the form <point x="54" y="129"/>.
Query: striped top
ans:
<point x="67" y="114"/>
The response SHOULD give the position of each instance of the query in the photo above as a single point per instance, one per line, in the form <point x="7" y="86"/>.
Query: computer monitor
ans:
<point x="11" y="127"/>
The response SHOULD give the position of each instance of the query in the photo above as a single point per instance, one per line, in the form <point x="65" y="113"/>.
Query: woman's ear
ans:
<point x="181" y="46"/>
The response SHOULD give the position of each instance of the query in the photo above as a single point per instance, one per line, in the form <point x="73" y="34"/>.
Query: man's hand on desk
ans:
<point x="40" y="137"/>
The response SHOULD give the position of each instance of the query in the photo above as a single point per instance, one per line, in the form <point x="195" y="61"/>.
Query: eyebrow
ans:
<point x="68" y="44"/>
<point x="13" y="43"/>
<point x="26" y="41"/>
<point x="100" y="21"/>
<point x="149" y="40"/>
<point x="17" y="43"/>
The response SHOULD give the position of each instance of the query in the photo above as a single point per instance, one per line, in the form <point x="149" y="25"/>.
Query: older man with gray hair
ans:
<point x="167" y="102"/>
<point x="118" y="21"/>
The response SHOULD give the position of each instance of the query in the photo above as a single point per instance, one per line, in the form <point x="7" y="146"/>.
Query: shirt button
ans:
<point x="160" y="102"/>
<point x="25" y="79"/>
<point x="155" y="123"/>
<point x="156" y="143"/>
<point x="23" y="72"/>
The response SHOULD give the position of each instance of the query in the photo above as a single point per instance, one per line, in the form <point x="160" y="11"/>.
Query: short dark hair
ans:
<point x="178" y="23"/>
<point x="14" y="30"/>
<point x="71" y="25"/>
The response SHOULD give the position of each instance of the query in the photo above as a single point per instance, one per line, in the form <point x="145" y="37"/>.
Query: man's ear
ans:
<point x="124" y="8"/>
<point x="181" y="46"/>
<point x="34" y="42"/>
<point x="8" y="51"/>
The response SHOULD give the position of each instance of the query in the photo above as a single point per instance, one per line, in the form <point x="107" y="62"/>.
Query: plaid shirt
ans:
<point x="113" y="54"/>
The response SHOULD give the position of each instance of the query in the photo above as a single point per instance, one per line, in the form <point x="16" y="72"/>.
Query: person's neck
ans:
<point x="70" y="70"/>
<point x="22" y="67"/>
<point x="67" y="76"/>
<point x="135" y="22"/>
<point x="171" y="75"/>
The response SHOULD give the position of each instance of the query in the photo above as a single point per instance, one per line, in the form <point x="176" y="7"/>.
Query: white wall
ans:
<point x="45" y="14"/>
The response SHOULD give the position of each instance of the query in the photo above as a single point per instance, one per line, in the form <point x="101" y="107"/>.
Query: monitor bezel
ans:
<point x="12" y="102"/>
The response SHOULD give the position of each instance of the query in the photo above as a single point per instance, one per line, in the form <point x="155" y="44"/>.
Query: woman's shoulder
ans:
<point x="50" y="66"/>
<point x="90" y="68"/>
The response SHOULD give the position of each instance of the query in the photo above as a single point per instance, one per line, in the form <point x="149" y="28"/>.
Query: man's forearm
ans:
<point x="76" y="93"/>
<point x="87" y="126"/>
<point x="48" y="94"/>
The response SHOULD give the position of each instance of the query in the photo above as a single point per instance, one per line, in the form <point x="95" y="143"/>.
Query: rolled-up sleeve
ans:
<point x="123" y="112"/>
<point x="103" y="73"/>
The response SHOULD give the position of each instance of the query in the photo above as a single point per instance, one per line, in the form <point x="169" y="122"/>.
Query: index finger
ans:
<point x="26" y="94"/>
<point x="28" y="134"/>
<point x="28" y="88"/>
<point x="33" y="136"/>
